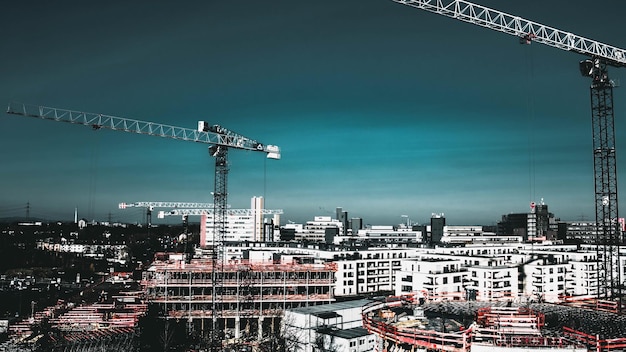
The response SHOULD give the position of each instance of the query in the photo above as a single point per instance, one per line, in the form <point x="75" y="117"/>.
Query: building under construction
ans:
<point x="246" y="298"/>
<point x="402" y="324"/>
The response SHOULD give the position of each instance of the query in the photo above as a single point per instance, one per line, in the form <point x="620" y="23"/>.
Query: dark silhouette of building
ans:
<point x="437" y="223"/>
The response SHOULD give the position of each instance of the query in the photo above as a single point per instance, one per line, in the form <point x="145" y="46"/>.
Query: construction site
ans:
<point x="106" y="320"/>
<point x="403" y="324"/>
<point x="241" y="302"/>
<point x="237" y="302"/>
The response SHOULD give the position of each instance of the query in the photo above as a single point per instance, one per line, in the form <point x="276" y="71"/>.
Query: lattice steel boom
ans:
<point x="214" y="135"/>
<point x="609" y="236"/>
<point x="197" y="212"/>
<point x="184" y="205"/>
<point x="520" y="27"/>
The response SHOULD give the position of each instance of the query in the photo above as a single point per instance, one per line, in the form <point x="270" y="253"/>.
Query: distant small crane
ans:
<point x="150" y="206"/>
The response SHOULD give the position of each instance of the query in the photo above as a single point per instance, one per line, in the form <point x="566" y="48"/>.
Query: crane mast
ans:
<point x="608" y="232"/>
<point x="220" y="140"/>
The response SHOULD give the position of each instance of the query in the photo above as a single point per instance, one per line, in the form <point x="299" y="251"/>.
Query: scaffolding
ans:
<point x="249" y="292"/>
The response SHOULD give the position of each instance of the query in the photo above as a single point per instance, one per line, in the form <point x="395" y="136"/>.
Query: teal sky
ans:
<point x="378" y="108"/>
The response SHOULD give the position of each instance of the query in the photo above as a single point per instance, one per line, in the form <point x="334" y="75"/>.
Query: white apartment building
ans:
<point x="473" y="271"/>
<point x="246" y="226"/>
<point x="582" y="278"/>
<point x="315" y="230"/>
<point x="474" y="234"/>
<point x="390" y="234"/>
<point x="492" y="283"/>
<point x="545" y="280"/>
<point x="432" y="278"/>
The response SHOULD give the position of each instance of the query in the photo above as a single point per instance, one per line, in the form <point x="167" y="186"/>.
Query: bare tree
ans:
<point x="166" y="336"/>
<point x="285" y="337"/>
<point x="325" y="342"/>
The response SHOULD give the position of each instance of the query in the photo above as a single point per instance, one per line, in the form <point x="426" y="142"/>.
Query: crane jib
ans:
<point x="514" y="25"/>
<point x="214" y="135"/>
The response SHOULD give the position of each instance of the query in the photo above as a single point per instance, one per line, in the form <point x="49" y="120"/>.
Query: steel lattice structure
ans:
<point x="220" y="140"/>
<point x="214" y="135"/>
<point x="609" y="236"/>
<point x="520" y="27"/>
<point x="165" y="205"/>
<point x="196" y="212"/>
<point x="605" y="179"/>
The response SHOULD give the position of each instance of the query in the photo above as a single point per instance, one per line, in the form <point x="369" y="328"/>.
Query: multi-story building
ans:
<point x="537" y="225"/>
<point x="252" y="225"/>
<point x="432" y="278"/>
<point x="456" y="235"/>
<point x="373" y="272"/>
<point x="582" y="277"/>
<point x="582" y="231"/>
<point x="492" y="283"/>
<point x="360" y="270"/>
<point x="390" y="235"/>
<point x="489" y="270"/>
<point x="545" y="280"/>
<point x="320" y="229"/>
<point x="437" y="224"/>
<point x="241" y="294"/>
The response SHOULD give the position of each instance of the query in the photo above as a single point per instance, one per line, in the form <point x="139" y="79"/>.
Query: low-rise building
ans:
<point x="331" y="327"/>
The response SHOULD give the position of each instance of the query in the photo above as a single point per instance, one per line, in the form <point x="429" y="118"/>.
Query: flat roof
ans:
<point x="331" y="307"/>
<point x="327" y="315"/>
<point x="348" y="333"/>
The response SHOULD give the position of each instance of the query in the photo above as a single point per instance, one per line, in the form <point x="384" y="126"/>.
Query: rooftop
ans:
<point x="348" y="333"/>
<point x="332" y="307"/>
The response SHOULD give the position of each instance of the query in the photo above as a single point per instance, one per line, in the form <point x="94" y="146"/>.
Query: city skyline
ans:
<point x="379" y="108"/>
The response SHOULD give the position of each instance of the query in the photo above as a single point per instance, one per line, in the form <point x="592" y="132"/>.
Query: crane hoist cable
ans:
<point x="532" y="143"/>
<point x="93" y="177"/>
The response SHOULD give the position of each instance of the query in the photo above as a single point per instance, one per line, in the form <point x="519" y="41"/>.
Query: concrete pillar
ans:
<point x="237" y="327"/>
<point x="260" y="330"/>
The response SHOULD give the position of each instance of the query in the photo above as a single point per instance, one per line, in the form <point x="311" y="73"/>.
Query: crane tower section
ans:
<point x="609" y="236"/>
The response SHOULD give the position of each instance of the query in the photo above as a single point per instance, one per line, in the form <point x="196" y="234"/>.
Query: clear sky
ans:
<point x="379" y="108"/>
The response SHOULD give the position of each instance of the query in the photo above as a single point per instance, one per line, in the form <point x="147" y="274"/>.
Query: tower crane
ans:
<point x="219" y="139"/>
<point x="609" y="237"/>
<point x="149" y="206"/>
<point x="600" y="56"/>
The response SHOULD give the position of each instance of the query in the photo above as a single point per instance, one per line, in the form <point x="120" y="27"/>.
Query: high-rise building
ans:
<point x="256" y="205"/>
<point x="437" y="223"/>
<point x="342" y="216"/>
<point x="356" y="224"/>
<point x="538" y="224"/>
<point x="247" y="225"/>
